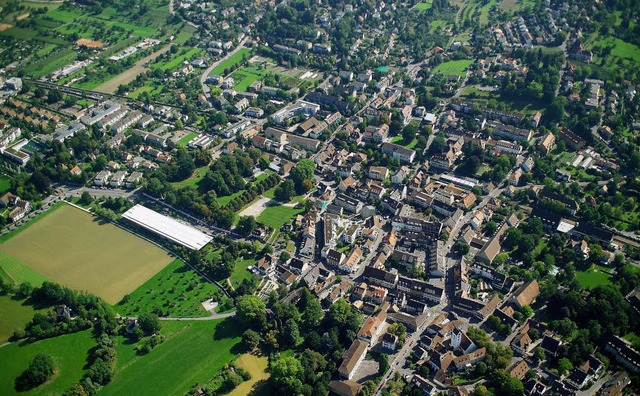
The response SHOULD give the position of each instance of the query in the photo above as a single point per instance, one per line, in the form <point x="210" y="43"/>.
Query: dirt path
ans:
<point x="256" y="208"/>
<point x="129" y="75"/>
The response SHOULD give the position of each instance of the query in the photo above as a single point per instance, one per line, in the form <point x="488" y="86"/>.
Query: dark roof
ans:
<point x="568" y="202"/>
<point x="594" y="231"/>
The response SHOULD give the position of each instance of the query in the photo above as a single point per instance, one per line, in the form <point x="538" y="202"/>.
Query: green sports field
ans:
<point x="75" y="249"/>
<point x="70" y="353"/>
<point x="458" y="67"/>
<point x="276" y="216"/>
<point x="192" y="354"/>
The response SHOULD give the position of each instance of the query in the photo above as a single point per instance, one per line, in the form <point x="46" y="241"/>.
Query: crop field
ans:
<point x="75" y="249"/>
<point x="193" y="354"/>
<point x="176" y="290"/>
<point x="14" y="315"/>
<point x="257" y="367"/>
<point x="231" y="61"/>
<point x="277" y="216"/>
<point x="70" y="352"/>
<point x="458" y="67"/>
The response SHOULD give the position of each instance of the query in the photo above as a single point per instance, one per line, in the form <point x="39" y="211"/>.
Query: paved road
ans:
<point x="205" y="74"/>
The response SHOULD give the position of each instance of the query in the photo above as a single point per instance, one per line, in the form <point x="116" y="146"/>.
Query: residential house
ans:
<point x="352" y="358"/>
<point x="389" y="341"/>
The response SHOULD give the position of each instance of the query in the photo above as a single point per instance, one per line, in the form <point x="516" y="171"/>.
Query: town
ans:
<point x="404" y="198"/>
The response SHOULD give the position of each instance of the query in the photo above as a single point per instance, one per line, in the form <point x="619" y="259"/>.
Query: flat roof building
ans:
<point x="167" y="227"/>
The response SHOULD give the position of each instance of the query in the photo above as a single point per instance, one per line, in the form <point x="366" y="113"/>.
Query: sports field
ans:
<point x="458" y="67"/>
<point x="276" y="216"/>
<point x="70" y="352"/>
<point x="75" y="249"/>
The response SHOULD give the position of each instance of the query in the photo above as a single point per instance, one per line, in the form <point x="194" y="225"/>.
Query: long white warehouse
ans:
<point x="167" y="227"/>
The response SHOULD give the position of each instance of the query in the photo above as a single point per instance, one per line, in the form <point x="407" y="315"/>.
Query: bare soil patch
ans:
<point x="85" y="42"/>
<point x="5" y="26"/>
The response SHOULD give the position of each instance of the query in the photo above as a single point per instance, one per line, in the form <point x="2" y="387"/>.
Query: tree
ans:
<point x="564" y="365"/>
<point x="250" y="339"/>
<point x="85" y="199"/>
<point x="40" y="370"/>
<point x="303" y="171"/>
<point x="251" y="312"/>
<point x="409" y="133"/>
<point x="461" y="248"/>
<point x="149" y="323"/>
<point x="246" y="225"/>
<point x="285" y="374"/>
<point x="285" y="191"/>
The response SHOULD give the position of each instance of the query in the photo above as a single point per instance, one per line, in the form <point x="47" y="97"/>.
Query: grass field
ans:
<point x="187" y="138"/>
<point x="73" y="248"/>
<point x="193" y="354"/>
<point x="177" y="290"/>
<point x="70" y="353"/>
<point x="240" y="271"/>
<point x="458" y="67"/>
<point x="231" y="61"/>
<point x="18" y="272"/>
<point x="5" y="184"/>
<point x="593" y="277"/>
<point x="243" y="79"/>
<point x="277" y="216"/>
<point x="425" y="5"/>
<point x="257" y="367"/>
<point x="14" y="315"/>
<point x="621" y="49"/>
<point x="195" y="178"/>
<point x="484" y="12"/>
<point x="399" y="140"/>
<point x="177" y="60"/>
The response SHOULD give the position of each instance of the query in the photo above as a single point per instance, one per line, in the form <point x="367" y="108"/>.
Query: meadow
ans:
<point x="177" y="291"/>
<point x="194" y="353"/>
<point x="70" y="353"/>
<point x="14" y="315"/>
<point x="233" y="60"/>
<point x="257" y="367"/>
<point x="425" y="5"/>
<point x="593" y="277"/>
<point x="277" y="216"/>
<point x="458" y="67"/>
<point x="75" y="249"/>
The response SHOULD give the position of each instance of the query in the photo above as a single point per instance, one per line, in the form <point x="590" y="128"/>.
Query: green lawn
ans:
<point x="231" y="61"/>
<point x="187" y="138"/>
<point x="14" y="270"/>
<point x="484" y="12"/>
<point x="399" y="140"/>
<point x="593" y="277"/>
<point x="240" y="271"/>
<point x="14" y="315"/>
<point x="425" y="5"/>
<point x="244" y="79"/>
<point x="177" y="61"/>
<point x="276" y="216"/>
<point x="458" y="67"/>
<point x="70" y="353"/>
<point x="195" y="178"/>
<point x="177" y="290"/>
<point x="5" y="184"/>
<point x="270" y="193"/>
<point x="194" y="354"/>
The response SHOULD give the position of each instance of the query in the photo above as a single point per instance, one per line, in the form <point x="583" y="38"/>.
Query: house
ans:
<point x="469" y="359"/>
<point x="398" y="152"/>
<point x="389" y="341"/>
<point x="352" y="358"/>
<point x="351" y="263"/>
<point x="492" y="248"/>
<point x="518" y="370"/>
<point x="372" y="326"/>
<point x="335" y="258"/>
<point x="118" y="179"/>
<point x="460" y="340"/>
<point x="624" y="353"/>
<point x="423" y="385"/>
<point x="571" y="139"/>
<point x="526" y="294"/>
<point x="348" y="203"/>
<point x="101" y="178"/>
<point x="378" y="173"/>
<point x="550" y="344"/>
<point x="345" y="388"/>
<point x="521" y="343"/>
<point x="547" y="143"/>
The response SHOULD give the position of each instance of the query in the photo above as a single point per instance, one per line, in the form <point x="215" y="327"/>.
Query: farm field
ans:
<point x="199" y="349"/>
<point x="14" y="315"/>
<point x="231" y="61"/>
<point x="177" y="291"/>
<point x="84" y="254"/>
<point x="276" y="216"/>
<point x="458" y="67"/>
<point x="257" y="367"/>
<point x="70" y="353"/>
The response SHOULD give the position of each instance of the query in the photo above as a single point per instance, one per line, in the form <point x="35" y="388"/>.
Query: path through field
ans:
<point x="130" y="74"/>
<point x="256" y="208"/>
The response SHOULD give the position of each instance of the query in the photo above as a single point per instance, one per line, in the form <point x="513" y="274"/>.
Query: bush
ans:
<point x="40" y="370"/>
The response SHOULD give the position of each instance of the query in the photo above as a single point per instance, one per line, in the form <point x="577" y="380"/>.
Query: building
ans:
<point x="345" y="388"/>
<point x="352" y="358"/>
<point x="526" y="294"/>
<point x="389" y="341"/>
<point x="118" y="179"/>
<point x="102" y="178"/>
<point x="571" y="139"/>
<point x="398" y="152"/>
<point x="547" y="143"/>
